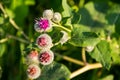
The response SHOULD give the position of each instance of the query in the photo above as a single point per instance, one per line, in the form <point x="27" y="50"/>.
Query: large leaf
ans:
<point x="67" y="10"/>
<point x="115" y="52"/>
<point x="100" y="16"/>
<point x="102" y="54"/>
<point x="82" y="37"/>
<point x="55" y="71"/>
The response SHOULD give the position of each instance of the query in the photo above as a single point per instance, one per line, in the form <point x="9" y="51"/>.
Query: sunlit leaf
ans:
<point x="102" y="54"/>
<point x="115" y="51"/>
<point x="67" y="10"/>
<point x="82" y="37"/>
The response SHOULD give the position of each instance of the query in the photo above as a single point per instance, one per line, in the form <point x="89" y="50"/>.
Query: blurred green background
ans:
<point x="24" y="12"/>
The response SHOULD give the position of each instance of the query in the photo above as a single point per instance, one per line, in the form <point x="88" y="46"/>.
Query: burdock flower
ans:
<point x="57" y="17"/>
<point x="32" y="57"/>
<point x="43" y="24"/>
<point x="48" y="14"/>
<point x="33" y="71"/>
<point x="44" y="41"/>
<point x="46" y="57"/>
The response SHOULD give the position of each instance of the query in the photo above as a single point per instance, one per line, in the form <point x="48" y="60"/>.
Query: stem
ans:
<point x="3" y="10"/>
<point x="56" y="43"/>
<point x="13" y="22"/>
<point x="17" y="38"/>
<point x="71" y="59"/>
<point x="84" y="69"/>
<point x="84" y="55"/>
<point x="17" y="27"/>
<point x="3" y="40"/>
<point x="62" y="27"/>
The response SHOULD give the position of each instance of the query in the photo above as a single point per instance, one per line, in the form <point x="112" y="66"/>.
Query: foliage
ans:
<point x="87" y="22"/>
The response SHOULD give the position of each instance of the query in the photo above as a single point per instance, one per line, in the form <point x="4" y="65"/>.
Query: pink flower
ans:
<point x="44" y="41"/>
<point x="32" y="57"/>
<point x="33" y="71"/>
<point x="46" y="57"/>
<point x="43" y="24"/>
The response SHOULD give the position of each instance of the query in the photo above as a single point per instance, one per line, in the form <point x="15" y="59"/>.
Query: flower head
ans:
<point x="46" y="57"/>
<point x="48" y="14"/>
<point x="32" y="57"/>
<point x="43" y="24"/>
<point x="57" y="17"/>
<point x="33" y="71"/>
<point x="44" y="41"/>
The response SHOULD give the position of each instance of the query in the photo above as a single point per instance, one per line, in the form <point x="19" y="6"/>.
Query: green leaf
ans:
<point x="67" y="22"/>
<point x="82" y="37"/>
<point x="91" y="17"/>
<point x="54" y="71"/>
<point x="67" y="10"/>
<point x="29" y="2"/>
<point x="109" y="77"/>
<point x="10" y="13"/>
<point x="102" y="54"/>
<point x="2" y="49"/>
<point x="76" y="18"/>
<point x="99" y="16"/>
<point x="31" y="46"/>
<point x="1" y="20"/>
<point x="115" y="52"/>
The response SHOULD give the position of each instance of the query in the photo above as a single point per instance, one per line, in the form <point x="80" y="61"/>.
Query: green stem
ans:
<point x="62" y="27"/>
<point x="17" y="38"/>
<point x="84" y="56"/>
<point x="85" y="68"/>
<point x="70" y="59"/>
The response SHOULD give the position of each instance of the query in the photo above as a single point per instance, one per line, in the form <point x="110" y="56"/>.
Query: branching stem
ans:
<point x="84" y="69"/>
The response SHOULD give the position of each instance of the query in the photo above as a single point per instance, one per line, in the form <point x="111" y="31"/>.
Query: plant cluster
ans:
<point x="83" y="35"/>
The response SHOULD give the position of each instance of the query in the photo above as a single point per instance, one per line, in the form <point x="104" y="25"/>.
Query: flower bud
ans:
<point x="32" y="57"/>
<point x="48" y="14"/>
<point x="57" y="17"/>
<point x="89" y="48"/>
<point x="33" y="71"/>
<point x="46" y="57"/>
<point x="44" y="41"/>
